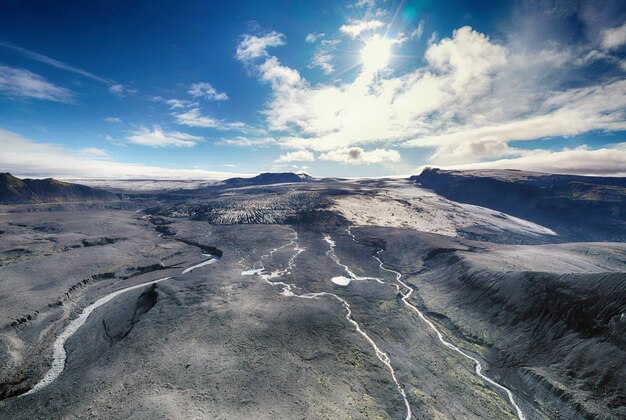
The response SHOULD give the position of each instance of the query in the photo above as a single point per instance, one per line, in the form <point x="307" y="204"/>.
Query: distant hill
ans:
<point x="586" y="208"/>
<point x="267" y="179"/>
<point x="15" y="190"/>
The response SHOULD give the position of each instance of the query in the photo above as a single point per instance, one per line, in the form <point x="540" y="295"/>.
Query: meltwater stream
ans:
<point x="287" y="290"/>
<point x="405" y="298"/>
<point x="59" y="355"/>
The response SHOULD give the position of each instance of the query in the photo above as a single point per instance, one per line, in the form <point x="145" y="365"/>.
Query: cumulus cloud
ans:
<point x="358" y="156"/>
<point x="207" y="91"/>
<point x="357" y="27"/>
<point x="252" y="46"/>
<point x="16" y="82"/>
<point x="297" y="156"/>
<point x="471" y="99"/>
<point x="24" y="157"/>
<point x="160" y="138"/>
<point x="369" y="110"/>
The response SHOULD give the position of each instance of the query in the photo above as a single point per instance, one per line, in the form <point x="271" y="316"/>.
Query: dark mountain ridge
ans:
<point x="267" y="178"/>
<point x="577" y="207"/>
<point x="14" y="190"/>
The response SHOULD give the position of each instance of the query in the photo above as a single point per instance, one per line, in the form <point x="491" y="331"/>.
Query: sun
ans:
<point x="376" y="53"/>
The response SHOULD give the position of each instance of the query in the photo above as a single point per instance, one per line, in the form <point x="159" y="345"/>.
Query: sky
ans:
<point x="363" y="88"/>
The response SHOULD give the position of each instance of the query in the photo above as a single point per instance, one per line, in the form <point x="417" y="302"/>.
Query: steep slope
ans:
<point x="577" y="207"/>
<point x="552" y="316"/>
<point x="15" y="190"/>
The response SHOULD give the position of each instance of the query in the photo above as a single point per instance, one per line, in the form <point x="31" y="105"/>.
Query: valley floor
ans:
<point x="265" y="332"/>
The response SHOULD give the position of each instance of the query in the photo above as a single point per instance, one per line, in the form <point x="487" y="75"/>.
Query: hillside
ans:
<point x="578" y="207"/>
<point x="15" y="190"/>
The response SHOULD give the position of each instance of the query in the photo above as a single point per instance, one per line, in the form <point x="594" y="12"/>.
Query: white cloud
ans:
<point x="357" y="27"/>
<point x="55" y="63"/>
<point x="358" y="156"/>
<point x="419" y="31"/>
<point x="580" y="161"/>
<point x="16" y="82"/>
<point x="24" y="157"/>
<point x="252" y="46"/>
<point x="247" y="142"/>
<point x="364" y="3"/>
<point x="613" y="38"/>
<point x="323" y="59"/>
<point x="314" y="36"/>
<point x="297" y="156"/>
<point x="324" y="55"/>
<point x="471" y="98"/>
<point x="278" y="75"/>
<point x="116" y="89"/>
<point x="177" y="103"/>
<point x="95" y="152"/>
<point x="572" y="112"/>
<point x="207" y="91"/>
<point x="193" y="118"/>
<point x="160" y="138"/>
<point x="377" y="109"/>
<point x="113" y="120"/>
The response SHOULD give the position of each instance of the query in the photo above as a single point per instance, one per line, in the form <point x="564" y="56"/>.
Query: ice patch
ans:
<point x="341" y="280"/>
<point x="252" y="272"/>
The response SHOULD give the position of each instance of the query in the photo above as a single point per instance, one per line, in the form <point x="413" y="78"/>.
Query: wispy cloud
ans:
<point x="25" y="157"/>
<point x="207" y="91"/>
<point x="55" y="63"/>
<point x="357" y="27"/>
<point x="16" y="82"/>
<point x="252" y="46"/>
<point x="173" y="103"/>
<point x="113" y="120"/>
<point x="194" y="118"/>
<point x="156" y="137"/>
<point x="314" y="36"/>
<point x="614" y="38"/>
<point x="247" y="141"/>
<point x="114" y="87"/>
<point x="95" y="152"/>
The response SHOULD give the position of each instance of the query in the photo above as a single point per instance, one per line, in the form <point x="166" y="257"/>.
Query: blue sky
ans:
<point x="202" y="89"/>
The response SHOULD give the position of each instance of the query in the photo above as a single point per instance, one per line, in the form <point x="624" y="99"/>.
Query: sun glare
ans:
<point x="376" y="53"/>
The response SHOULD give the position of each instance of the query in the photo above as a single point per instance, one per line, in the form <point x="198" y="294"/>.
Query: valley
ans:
<point x="312" y="298"/>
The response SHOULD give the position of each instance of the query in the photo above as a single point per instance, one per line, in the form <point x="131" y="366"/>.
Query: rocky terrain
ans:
<point x="282" y="298"/>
